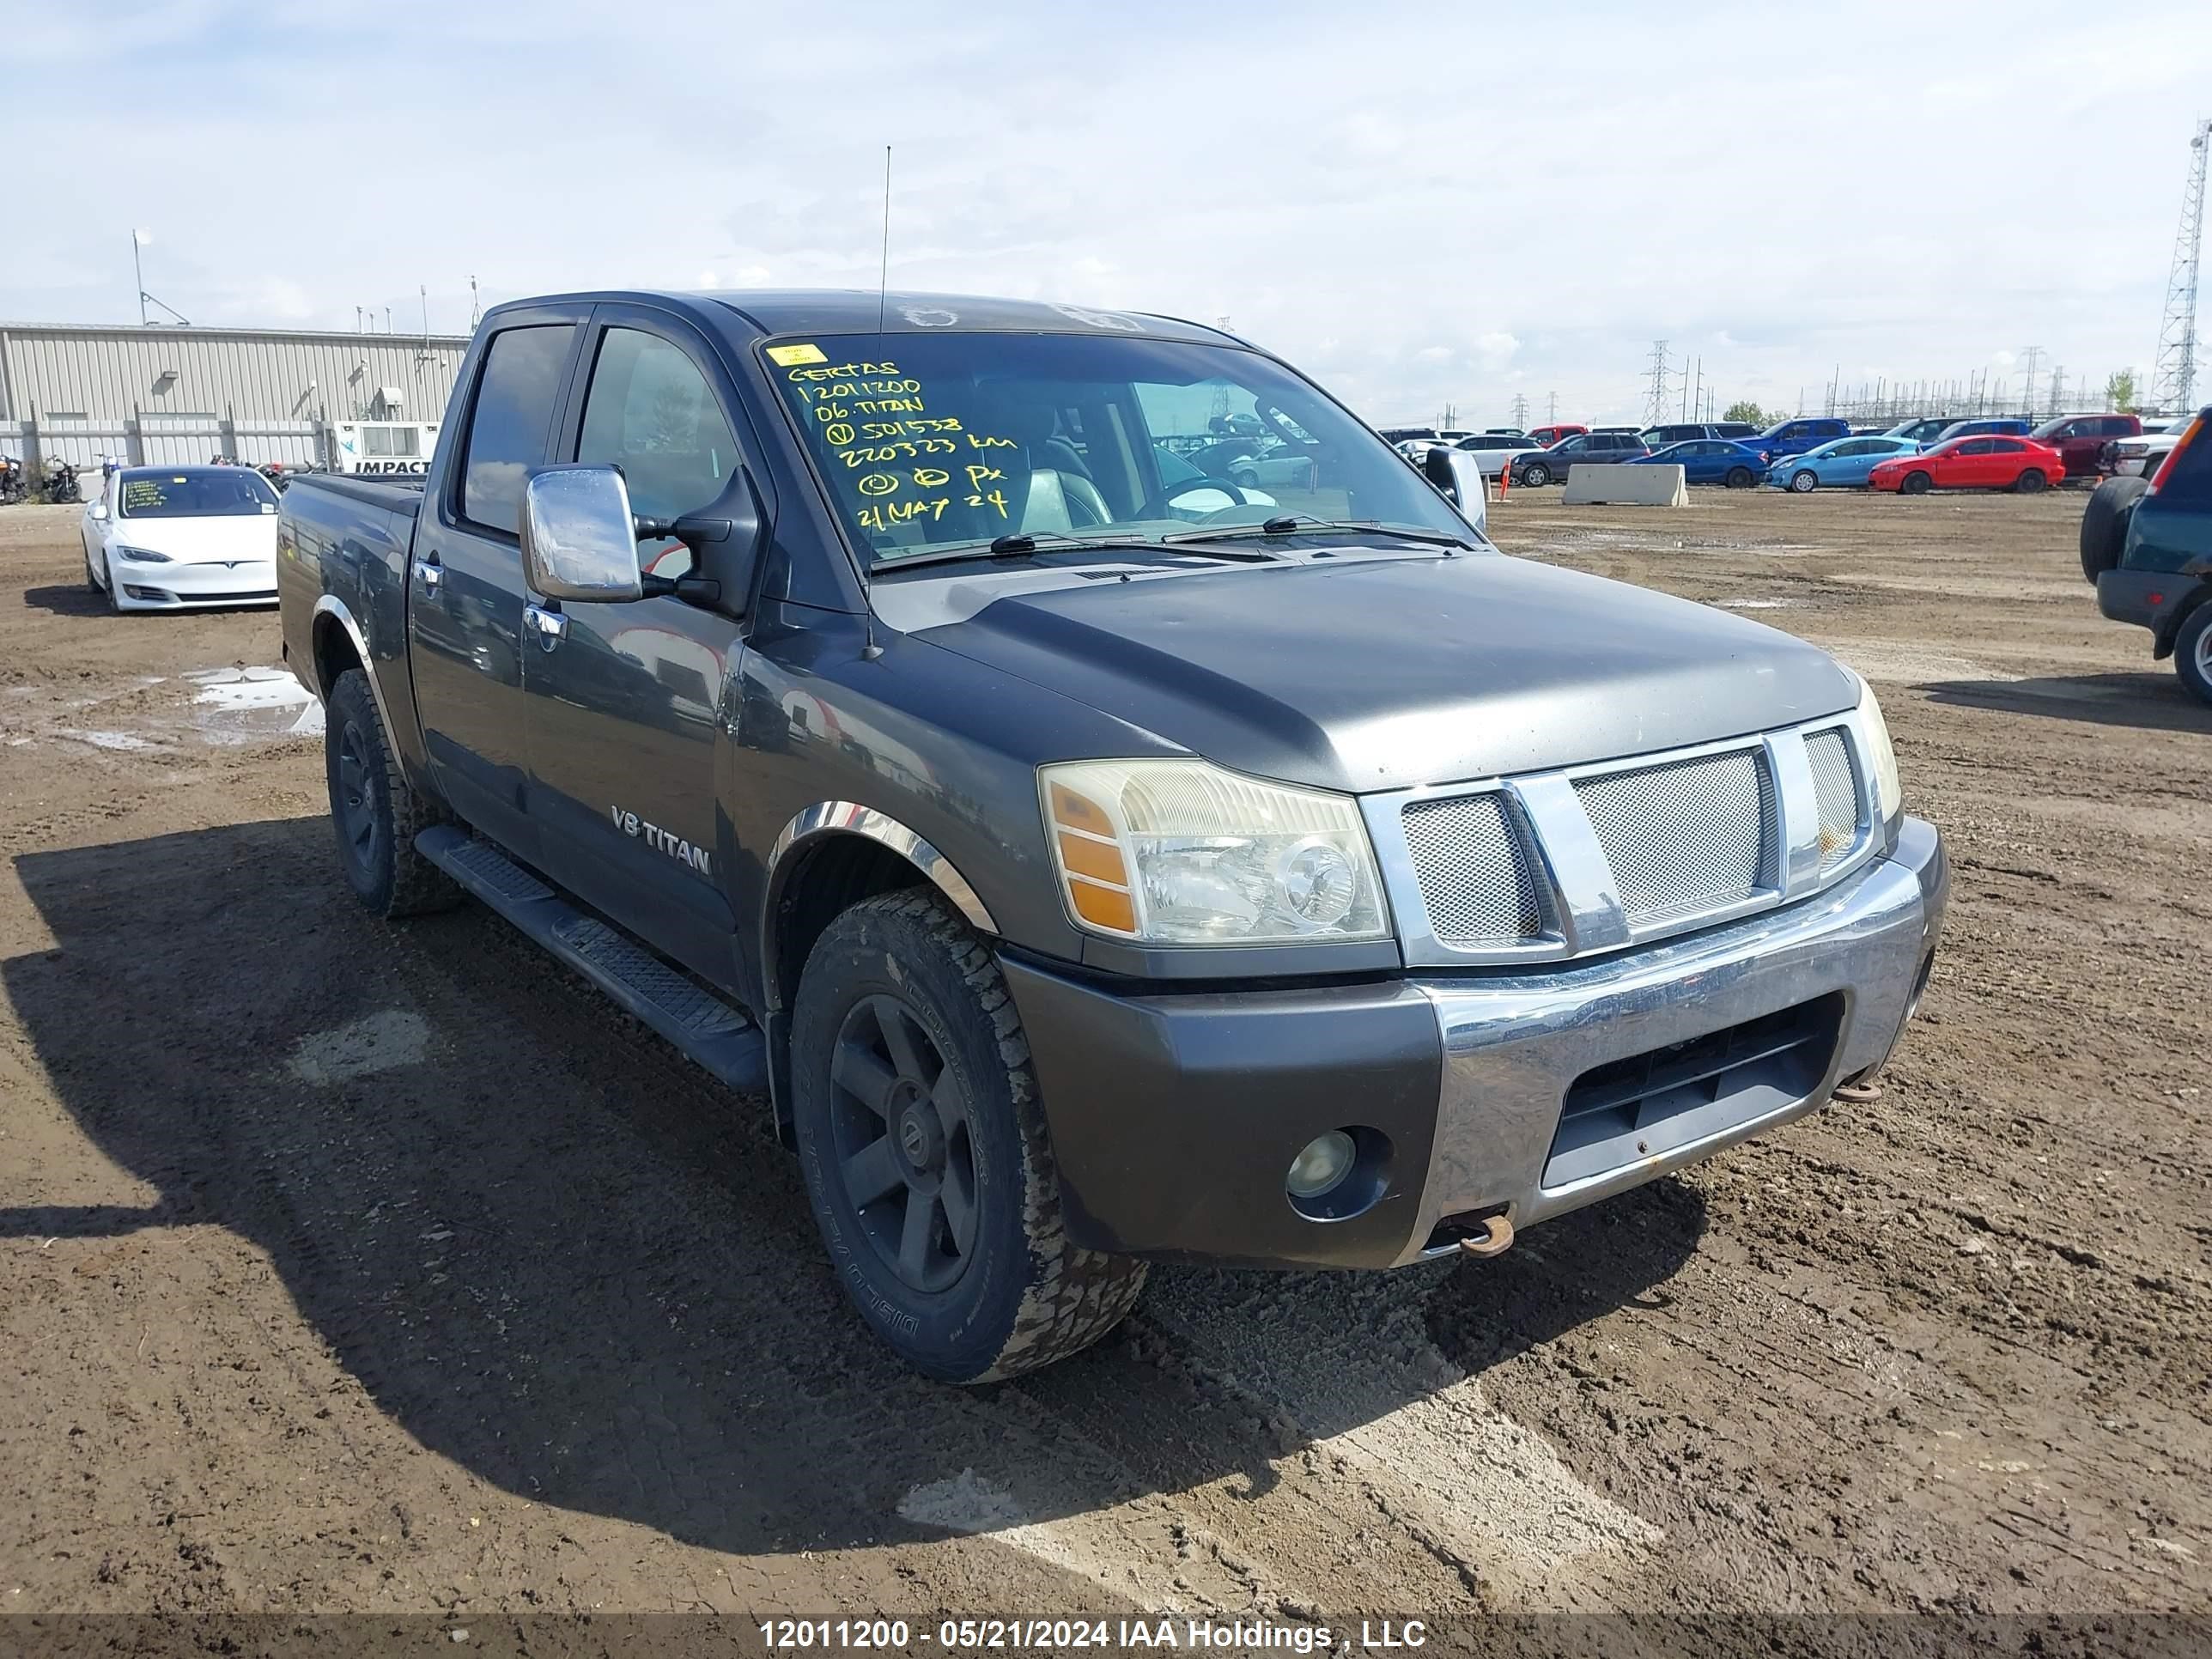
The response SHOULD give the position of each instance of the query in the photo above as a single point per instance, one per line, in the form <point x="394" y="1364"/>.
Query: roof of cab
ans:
<point x="858" y="311"/>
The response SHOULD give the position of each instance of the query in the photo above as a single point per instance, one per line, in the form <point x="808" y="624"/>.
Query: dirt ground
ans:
<point x="353" y="1268"/>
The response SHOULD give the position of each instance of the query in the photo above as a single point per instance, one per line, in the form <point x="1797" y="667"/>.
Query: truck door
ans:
<point x="624" y="702"/>
<point x="464" y="593"/>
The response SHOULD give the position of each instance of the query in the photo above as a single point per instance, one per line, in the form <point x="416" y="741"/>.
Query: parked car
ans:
<point x="1841" y="462"/>
<point x="1797" y="435"/>
<point x="1683" y="432"/>
<point x="1973" y="464"/>
<point x="2147" y="546"/>
<point x="1924" y="429"/>
<point x="1989" y="426"/>
<point x="1710" y="460"/>
<point x="1079" y="886"/>
<point x="1400" y="435"/>
<point x="1493" y="450"/>
<point x="181" y="538"/>
<point x="2138" y="456"/>
<point x="1550" y="466"/>
<point x="1259" y="464"/>
<point x="1555" y="430"/>
<point x="2081" y="439"/>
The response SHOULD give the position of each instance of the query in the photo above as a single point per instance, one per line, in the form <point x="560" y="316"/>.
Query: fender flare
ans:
<point x="331" y="605"/>
<point x="830" y="817"/>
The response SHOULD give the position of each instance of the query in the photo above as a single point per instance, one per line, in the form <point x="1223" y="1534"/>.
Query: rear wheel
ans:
<point x="1916" y="484"/>
<point x="1739" y="477"/>
<point x="2192" y="653"/>
<point x="1804" y="481"/>
<point x="925" y="1151"/>
<point x="376" y="813"/>
<point x="2030" y="482"/>
<point x="2105" y="524"/>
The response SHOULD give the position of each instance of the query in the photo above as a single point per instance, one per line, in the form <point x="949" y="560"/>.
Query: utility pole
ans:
<point x="476" y="311"/>
<point x="1552" y="414"/>
<point x="1655" y="404"/>
<point x="2057" y="388"/>
<point x="2173" y="372"/>
<point x="1520" y="410"/>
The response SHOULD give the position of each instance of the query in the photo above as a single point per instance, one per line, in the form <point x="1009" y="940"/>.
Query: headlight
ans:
<point x="1888" y="792"/>
<point x="1179" y="851"/>
<point x="141" y="555"/>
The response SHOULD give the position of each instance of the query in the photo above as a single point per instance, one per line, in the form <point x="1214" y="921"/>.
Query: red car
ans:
<point x="2019" y="464"/>
<point x="2081" y="439"/>
<point x="1548" y="435"/>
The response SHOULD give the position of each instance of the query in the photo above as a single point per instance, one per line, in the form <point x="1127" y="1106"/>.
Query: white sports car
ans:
<point x="171" y="537"/>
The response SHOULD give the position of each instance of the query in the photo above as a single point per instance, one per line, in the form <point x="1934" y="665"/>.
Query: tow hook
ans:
<point x="1496" y="1237"/>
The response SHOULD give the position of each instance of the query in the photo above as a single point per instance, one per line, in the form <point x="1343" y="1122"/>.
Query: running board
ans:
<point x="712" y="1032"/>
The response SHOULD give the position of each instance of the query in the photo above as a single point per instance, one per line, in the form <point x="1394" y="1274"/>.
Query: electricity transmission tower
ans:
<point x="1654" y="403"/>
<point x="2173" y="375"/>
<point x="1521" y="409"/>
<point x="2028" y="354"/>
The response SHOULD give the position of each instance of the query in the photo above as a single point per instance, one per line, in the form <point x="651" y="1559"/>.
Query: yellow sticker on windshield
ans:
<point x="788" y="356"/>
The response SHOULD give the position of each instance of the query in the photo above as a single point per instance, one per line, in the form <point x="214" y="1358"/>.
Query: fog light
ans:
<point x="1321" y="1165"/>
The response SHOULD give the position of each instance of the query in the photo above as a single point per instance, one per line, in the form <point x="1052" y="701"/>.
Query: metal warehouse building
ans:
<point x="169" y="395"/>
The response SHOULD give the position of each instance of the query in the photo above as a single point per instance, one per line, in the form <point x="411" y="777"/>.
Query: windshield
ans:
<point x="940" y="441"/>
<point x="216" y="493"/>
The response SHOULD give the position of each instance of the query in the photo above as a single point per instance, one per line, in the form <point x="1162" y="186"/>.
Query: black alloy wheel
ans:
<point x="901" y="1128"/>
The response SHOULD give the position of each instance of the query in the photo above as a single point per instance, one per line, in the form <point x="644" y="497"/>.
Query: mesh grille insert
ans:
<point x="1473" y="877"/>
<point x="1836" y="788"/>
<point x="1684" y="835"/>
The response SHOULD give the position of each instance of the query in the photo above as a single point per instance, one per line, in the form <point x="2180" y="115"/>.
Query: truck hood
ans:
<point x="1362" y="673"/>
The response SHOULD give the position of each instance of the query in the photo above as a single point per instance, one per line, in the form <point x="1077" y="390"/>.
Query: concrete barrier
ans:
<point x="1593" y="484"/>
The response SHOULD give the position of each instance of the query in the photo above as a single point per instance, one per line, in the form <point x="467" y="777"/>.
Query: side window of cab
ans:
<point x="651" y="412"/>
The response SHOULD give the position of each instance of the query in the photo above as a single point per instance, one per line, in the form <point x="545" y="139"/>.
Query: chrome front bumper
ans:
<point x="1513" y="1044"/>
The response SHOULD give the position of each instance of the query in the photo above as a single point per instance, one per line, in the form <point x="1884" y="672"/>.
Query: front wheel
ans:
<point x="925" y="1153"/>
<point x="1916" y="484"/>
<point x="2030" y="482"/>
<point x="2192" y="654"/>
<point x="1739" y="477"/>
<point x="1804" y="481"/>
<point x="1537" y="475"/>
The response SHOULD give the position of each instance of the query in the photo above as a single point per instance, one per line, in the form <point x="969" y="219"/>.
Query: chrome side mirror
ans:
<point x="578" y="540"/>
<point x="1457" y="477"/>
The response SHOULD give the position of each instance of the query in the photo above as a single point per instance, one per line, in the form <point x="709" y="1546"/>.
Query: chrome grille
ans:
<point x="1473" y="876"/>
<point x="1836" y="790"/>
<point x="1684" y="835"/>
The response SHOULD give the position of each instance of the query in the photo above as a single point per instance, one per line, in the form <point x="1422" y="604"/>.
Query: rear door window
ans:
<point x="507" y="426"/>
<point x="2186" y="479"/>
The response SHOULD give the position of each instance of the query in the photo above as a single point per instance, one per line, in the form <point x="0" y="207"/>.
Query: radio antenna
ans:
<point x="883" y="278"/>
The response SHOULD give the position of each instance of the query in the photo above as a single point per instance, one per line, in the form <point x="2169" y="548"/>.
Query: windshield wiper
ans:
<point x="1290" y="524"/>
<point x="1022" y="543"/>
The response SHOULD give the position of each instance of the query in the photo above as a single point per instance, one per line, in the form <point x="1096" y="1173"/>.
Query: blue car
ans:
<point x="1842" y="463"/>
<point x="1797" y="435"/>
<point x="1993" y="426"/>
<point x="1709" y="460"/>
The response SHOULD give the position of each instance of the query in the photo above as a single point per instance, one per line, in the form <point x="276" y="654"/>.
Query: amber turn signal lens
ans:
<point x="1103" y="907"/>
<point x="1072" y="812"/>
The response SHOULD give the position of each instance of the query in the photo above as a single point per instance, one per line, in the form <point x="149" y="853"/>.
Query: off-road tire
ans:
<point x="2105" y="524"/>
<point x="2192" y="653"/>
<point x="1028" y="1298"/>
<point x="389" y="876"/>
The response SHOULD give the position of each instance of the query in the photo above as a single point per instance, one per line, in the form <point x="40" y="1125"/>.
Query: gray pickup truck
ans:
<point x="1097" y="852"/>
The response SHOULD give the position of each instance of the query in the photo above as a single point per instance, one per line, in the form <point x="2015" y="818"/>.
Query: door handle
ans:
<point x="550" y="626"/>
<point x="429" y="573"/>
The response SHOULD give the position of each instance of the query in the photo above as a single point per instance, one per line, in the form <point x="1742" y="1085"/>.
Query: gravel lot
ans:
<point x="352" y="1268"/>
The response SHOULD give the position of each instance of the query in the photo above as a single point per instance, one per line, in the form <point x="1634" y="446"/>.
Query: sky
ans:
<point x="1447" y="203"/>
